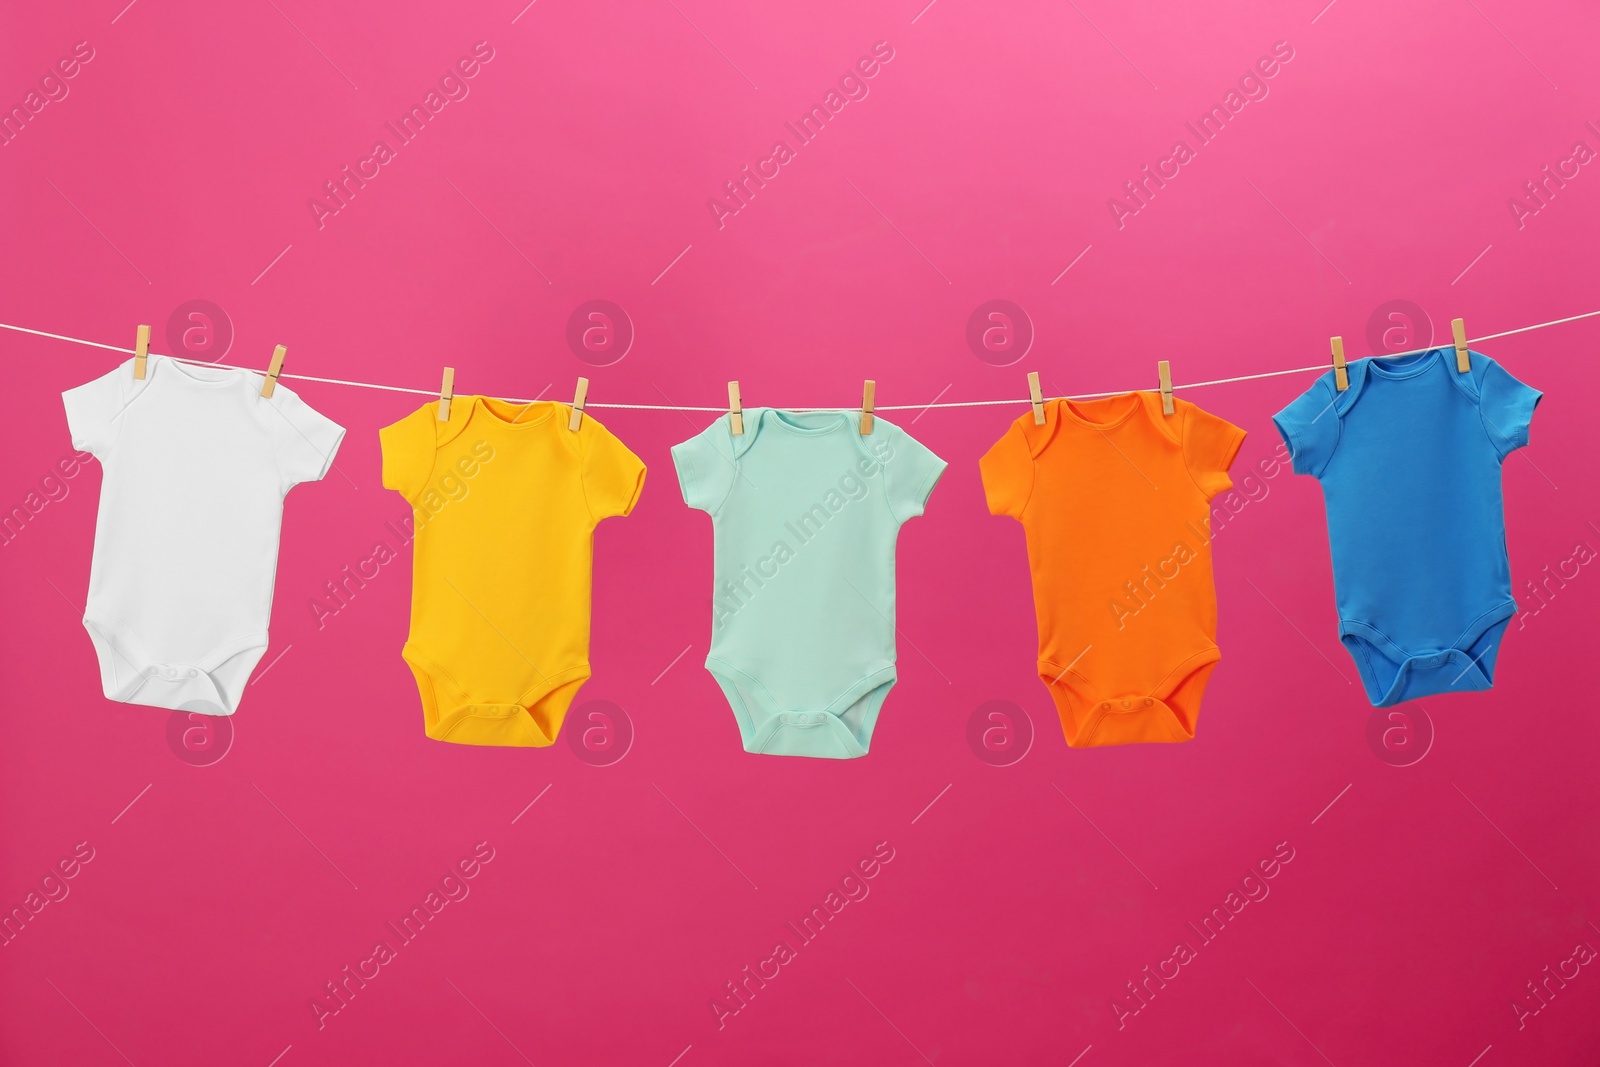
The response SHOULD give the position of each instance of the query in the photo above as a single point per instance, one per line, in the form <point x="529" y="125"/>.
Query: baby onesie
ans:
<point x="505" y="500"/>
<point x="196" y="465"/>
<point x="1114" y="498"/>
<point x="805" y="512"/>
<point x="1409" y="460"/>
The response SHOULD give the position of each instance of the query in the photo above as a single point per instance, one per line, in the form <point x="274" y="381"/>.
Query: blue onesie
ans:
<point x="1409" y="460"/>
<point x="805" y="511"/>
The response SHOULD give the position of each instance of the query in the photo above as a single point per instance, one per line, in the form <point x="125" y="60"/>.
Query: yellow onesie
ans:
<point x="506" y="499"/>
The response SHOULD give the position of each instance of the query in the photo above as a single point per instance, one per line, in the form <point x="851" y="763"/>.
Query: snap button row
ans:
<point x="171" y="672"/>
<point x="1127" y="704"/>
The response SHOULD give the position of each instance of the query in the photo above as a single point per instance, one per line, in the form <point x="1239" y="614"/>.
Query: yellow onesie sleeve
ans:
<point x="613" y="477"/>
<point x="408" y="451"/>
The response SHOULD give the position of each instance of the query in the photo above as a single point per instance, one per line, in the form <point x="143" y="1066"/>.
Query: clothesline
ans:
<point x="1176" y="386"/>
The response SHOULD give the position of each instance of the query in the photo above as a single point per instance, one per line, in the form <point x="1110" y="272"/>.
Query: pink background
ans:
<point x="1018" y="906"/>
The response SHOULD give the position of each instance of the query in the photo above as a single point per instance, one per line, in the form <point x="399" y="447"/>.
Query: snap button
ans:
<point x="1148" y="702"/>
<point x="193" y="673"/>
<point x="1126" y="704"/>
<point x="1106" y="706"/>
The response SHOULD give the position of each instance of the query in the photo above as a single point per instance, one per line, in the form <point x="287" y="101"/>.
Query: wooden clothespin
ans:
<point x="141" y="351"/>
<point x="447" y="393"/>
<point x="1458" y="329"/>
<point x="1164" y="375"/>
<point x="869" y="390"/>
<point x="579" y="398"/>
<point x="735" y="411"/>
<point x="1341" y="377"/>
<point x="1036" y="398"/>
<point x="270" y="382"/>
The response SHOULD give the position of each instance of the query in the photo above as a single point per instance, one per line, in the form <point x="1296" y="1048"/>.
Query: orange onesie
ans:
<point x="1115" y="499"/>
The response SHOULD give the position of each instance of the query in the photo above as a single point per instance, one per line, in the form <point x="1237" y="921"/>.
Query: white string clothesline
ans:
<point x="1176" y="386"/>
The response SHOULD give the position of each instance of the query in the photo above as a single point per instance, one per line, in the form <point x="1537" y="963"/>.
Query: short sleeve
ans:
<point x="305" y="440"/>
<point x="910" y="470"/>
<point x="1007" y="472"/>
<point x="1209" y="446"/>
<point x="1507" y="408"/>
<point x="705" y="467"/>
<point x="1310" y="427"/>
<point x="408" y="451"/>
<point x="613" y="476"/>
<point x="94" y="410"/>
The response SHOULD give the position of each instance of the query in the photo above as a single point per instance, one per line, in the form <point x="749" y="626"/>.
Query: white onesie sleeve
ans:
<point x="94" y="410"/>
<point x="304" y="440"/>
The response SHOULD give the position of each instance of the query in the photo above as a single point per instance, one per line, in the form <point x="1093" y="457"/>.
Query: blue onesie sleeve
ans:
<point x="1310" y="427"/>
<point x="1506" y="406"/>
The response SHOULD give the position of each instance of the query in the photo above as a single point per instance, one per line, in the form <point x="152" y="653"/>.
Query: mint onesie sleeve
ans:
<point x="705" y="466"/>
<point x="910" y="469"/>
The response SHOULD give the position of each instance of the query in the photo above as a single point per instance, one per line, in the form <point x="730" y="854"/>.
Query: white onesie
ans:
<point x="196" y="464"/>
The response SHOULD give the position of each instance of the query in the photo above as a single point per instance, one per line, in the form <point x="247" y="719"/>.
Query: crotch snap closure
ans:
<point x="170" y="672"/>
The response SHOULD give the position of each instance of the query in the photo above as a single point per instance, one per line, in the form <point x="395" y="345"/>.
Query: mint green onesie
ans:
<point x="806" y="511"/>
